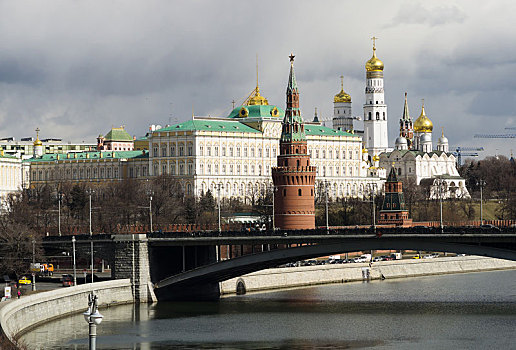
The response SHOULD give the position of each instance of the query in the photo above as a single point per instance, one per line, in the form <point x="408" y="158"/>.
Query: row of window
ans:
<point x="75" y="174"/>
<point x="236" y="152"/>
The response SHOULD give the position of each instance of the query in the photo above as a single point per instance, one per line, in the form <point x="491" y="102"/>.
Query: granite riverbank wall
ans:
<point x="19" y="315"/>
<point x="302" y="276"/>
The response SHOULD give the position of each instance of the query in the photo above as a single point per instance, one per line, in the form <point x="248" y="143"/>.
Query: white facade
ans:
<point x="11" y="179"/>
<point x="212" y="154"/>
<point x="422" y="165"/>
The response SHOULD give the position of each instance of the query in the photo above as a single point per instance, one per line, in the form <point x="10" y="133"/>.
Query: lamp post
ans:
<point x="94" y="318"/>
<point x="90" y="192"/>
<point x="33" y="264"/>
<point x="441" y="183"/>
<point x="150" y="193"/>
<point x="59" y="197"/>
<point x="74" y="267"/>
<point x="481" y="183"/>
<point x="219" y="186"/>
<point x="373" y="207"/>
<point x="326" y="204"/>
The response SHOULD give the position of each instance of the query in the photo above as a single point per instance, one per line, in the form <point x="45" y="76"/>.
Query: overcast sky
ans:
<point x="76" y="68"/>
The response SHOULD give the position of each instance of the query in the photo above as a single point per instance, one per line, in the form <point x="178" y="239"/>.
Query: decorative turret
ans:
<point x="393" y="209"/>
<point x="293" y="178"/>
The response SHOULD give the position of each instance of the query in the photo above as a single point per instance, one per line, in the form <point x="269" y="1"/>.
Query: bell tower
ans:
<point x="375" y="109"/>
<point x="293" y="178"/>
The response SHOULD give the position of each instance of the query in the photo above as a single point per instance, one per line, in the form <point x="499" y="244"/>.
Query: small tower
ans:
<point x="406" y="125"/>
<point x="293" y="178"/>
<point x="342" y="118"/>
<point x="393" y="209"/>
<point x="375" y="110"/>
<point x="316" y="117"/>
<point x="38" y="145"/>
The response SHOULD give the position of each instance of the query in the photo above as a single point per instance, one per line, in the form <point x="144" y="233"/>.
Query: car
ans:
<point x="377" y="258"/>
<point x="490" y="227"/>
<point x="24" y="280"/>
<point x="416" y="257"/>
<point x="428" y="257"/>
<point x="360" y="259"/>
<point x="67" y="280"/>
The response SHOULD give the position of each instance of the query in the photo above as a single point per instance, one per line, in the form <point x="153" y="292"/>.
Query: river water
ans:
<point x="463" y="311"/>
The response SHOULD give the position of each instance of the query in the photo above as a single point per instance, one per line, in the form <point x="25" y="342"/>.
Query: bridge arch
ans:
<point x="242" y="265"/>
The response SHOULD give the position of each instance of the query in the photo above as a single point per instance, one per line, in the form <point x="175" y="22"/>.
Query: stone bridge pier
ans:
<point x="131" y="260"/>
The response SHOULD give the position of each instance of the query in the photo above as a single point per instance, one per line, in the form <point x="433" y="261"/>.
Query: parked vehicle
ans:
<point x="67" y="280"/>
<point x="377" y="258"/>
<point x="24" y="280"/>
<point x="360" y="259"/>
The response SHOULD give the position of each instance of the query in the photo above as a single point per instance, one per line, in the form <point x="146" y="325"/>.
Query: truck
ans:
<point x="42" y="269"/>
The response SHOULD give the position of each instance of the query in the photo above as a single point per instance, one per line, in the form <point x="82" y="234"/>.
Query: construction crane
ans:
<point x="511" y="128"/>
<point x="495" y="136"/>
<point x="466" y="152"/>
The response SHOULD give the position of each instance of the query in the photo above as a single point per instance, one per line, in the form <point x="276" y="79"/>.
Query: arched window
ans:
<point x="370" y="116"/>
<point x="377" y="115"/>
<point x="299" y="193"/>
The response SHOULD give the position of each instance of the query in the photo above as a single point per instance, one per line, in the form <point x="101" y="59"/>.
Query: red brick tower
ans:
<point x="293" y="178"/>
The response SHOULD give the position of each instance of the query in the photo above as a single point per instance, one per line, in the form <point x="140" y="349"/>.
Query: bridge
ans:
<point x="178" y="265"/>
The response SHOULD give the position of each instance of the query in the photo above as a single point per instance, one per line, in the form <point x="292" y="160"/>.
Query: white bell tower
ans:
<point x="375" y="110"/>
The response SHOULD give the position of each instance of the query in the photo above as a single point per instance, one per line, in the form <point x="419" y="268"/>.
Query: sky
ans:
<point x="77" y="68"/>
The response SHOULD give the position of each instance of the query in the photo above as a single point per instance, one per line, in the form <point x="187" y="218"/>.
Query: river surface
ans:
<point x="463" y="311"/>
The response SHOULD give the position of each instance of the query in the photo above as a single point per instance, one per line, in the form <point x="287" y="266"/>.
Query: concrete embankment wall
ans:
<point x="323" y="274"/>
<point x="18" y="315"/>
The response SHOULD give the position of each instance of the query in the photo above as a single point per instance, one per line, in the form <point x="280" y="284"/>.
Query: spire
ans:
<point x="257" y="99"/>
<point x="293" y="124"/>
<point x="292" y="84"/>
<point x="316" y="118"/>
<point x="406" y="115"/>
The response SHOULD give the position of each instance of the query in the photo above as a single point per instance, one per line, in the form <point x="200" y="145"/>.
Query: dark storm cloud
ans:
<point x="76" y="68"/>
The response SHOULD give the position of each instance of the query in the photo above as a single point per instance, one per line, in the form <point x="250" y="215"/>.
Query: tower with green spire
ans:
<point x="294" y="177"/>
<point x="407" y="126"/>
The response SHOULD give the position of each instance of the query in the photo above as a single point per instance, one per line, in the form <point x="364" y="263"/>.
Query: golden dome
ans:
<point x="423" y="123"/>
<point x="37" y="142"/>
<point x="374" y="64"/>
<point x="258" y="99"/>
<point x="342" y="97"/>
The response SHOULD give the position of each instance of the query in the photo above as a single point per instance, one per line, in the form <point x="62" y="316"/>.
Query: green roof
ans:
<point x="118" y="134"/>
<point x="319" y="130"/>
<point x="258" y="111"/>
<point x="211" y="125"/>
<point x="49" y="157"/>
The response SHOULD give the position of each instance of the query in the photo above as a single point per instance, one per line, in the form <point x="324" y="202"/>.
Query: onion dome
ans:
<point x="37" y="142"/>
<point x="425" y="138"/>
<point x="342" y="96"/>
<point x="443" y="139"/>
<point x="401" y="141"/>
<point x="257" y="99"/>
<point x="374" y="64"/>
<point x="423" y="123"/>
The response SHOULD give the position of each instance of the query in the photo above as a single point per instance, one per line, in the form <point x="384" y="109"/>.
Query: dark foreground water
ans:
<point x="465" y="311"/>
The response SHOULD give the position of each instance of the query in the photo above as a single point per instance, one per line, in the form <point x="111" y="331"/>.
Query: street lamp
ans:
<point x="372" y="193"/>
<point x="89" y="191"/>
<point x="74" y="269"/>
<point x="150" y="193"/>
<point x="33" y="264"/>
<point x="219" y="186"/>
<point x="441" y="184"/>
<point x="94" y="318"/>
<point x="326" y="200"/>
<point x="59" y="197"/>
<point x="481" y="183"/>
